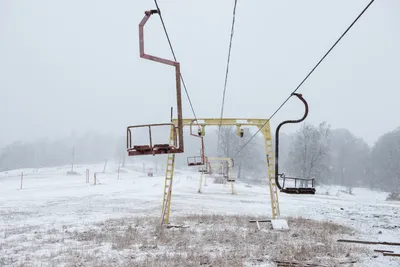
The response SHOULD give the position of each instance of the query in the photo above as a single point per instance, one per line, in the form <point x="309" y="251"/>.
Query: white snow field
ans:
<point x="55" y="218"/>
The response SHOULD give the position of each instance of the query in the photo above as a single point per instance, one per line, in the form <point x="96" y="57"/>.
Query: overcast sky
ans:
<point x="74" y="65"/>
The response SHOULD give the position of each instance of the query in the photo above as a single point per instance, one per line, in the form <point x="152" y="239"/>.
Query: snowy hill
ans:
<point x="50" y="199"/>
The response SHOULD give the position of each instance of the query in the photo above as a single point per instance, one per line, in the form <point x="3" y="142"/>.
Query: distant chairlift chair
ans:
<point x="197" y="160"/>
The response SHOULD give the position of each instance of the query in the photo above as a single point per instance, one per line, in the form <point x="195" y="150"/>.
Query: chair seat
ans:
<point x="299" y="191"/>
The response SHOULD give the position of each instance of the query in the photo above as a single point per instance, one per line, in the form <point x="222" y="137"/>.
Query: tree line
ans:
<point x="332" y="156"/>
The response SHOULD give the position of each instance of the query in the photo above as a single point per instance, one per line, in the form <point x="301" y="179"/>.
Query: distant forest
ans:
<point x="332" y="156"/>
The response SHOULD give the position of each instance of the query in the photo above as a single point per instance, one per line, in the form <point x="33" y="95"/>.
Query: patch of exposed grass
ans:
<point x="211" y="240"/>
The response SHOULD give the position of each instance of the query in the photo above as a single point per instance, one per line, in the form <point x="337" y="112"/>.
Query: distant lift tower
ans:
<point x="221" y="166"/>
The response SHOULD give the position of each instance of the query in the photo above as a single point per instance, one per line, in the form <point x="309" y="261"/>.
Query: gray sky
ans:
<point x="74" y="65"/>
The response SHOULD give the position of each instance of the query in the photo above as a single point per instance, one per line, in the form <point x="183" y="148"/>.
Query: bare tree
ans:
<point x="309" y="152"/>
<point x="350" y="158"/>
<point x="385" y="159"/>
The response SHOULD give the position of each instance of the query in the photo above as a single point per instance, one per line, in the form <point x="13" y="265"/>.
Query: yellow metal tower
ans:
<point x="273" y="190"/>
<point x="262" y="124"/>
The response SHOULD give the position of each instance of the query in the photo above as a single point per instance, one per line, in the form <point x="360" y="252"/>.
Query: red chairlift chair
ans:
<point x="166" y="148"/>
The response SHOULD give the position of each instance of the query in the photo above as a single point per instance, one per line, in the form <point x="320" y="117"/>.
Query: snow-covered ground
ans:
<point x="52" y="200"/>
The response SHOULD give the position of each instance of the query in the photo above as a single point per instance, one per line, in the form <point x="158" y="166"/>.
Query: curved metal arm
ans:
<point x="299" y="96"/>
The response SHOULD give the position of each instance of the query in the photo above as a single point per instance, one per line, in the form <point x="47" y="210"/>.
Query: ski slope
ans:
<point x="51" y="199"/>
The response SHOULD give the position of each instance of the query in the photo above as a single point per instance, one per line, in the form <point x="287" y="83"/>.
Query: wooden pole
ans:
<point x="369" y="242"/>
<point x="118" y="170"/>
<point x="22" y="178"/>
<point x="391" y="254"/>
<point x="87" y="175"/>
<point x="105" y="165"/>
<point x="73" y="156"/>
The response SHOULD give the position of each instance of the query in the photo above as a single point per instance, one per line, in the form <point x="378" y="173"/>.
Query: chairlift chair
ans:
<point x="150" y="148"/>
<point x="175" y="144"/>
<point x="223" y="167"/>
<point x="206" y="167"/>
<point x="228" y="165"/>
<point x="203" y="169"/>
<point x="301" y="189"/>
<point x="197" y="160"/>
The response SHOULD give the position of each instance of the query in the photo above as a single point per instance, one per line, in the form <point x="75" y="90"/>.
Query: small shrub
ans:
<point x="393" y="196"/>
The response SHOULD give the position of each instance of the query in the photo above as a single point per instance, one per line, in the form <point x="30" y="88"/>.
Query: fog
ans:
<point x="74" y="66"/>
